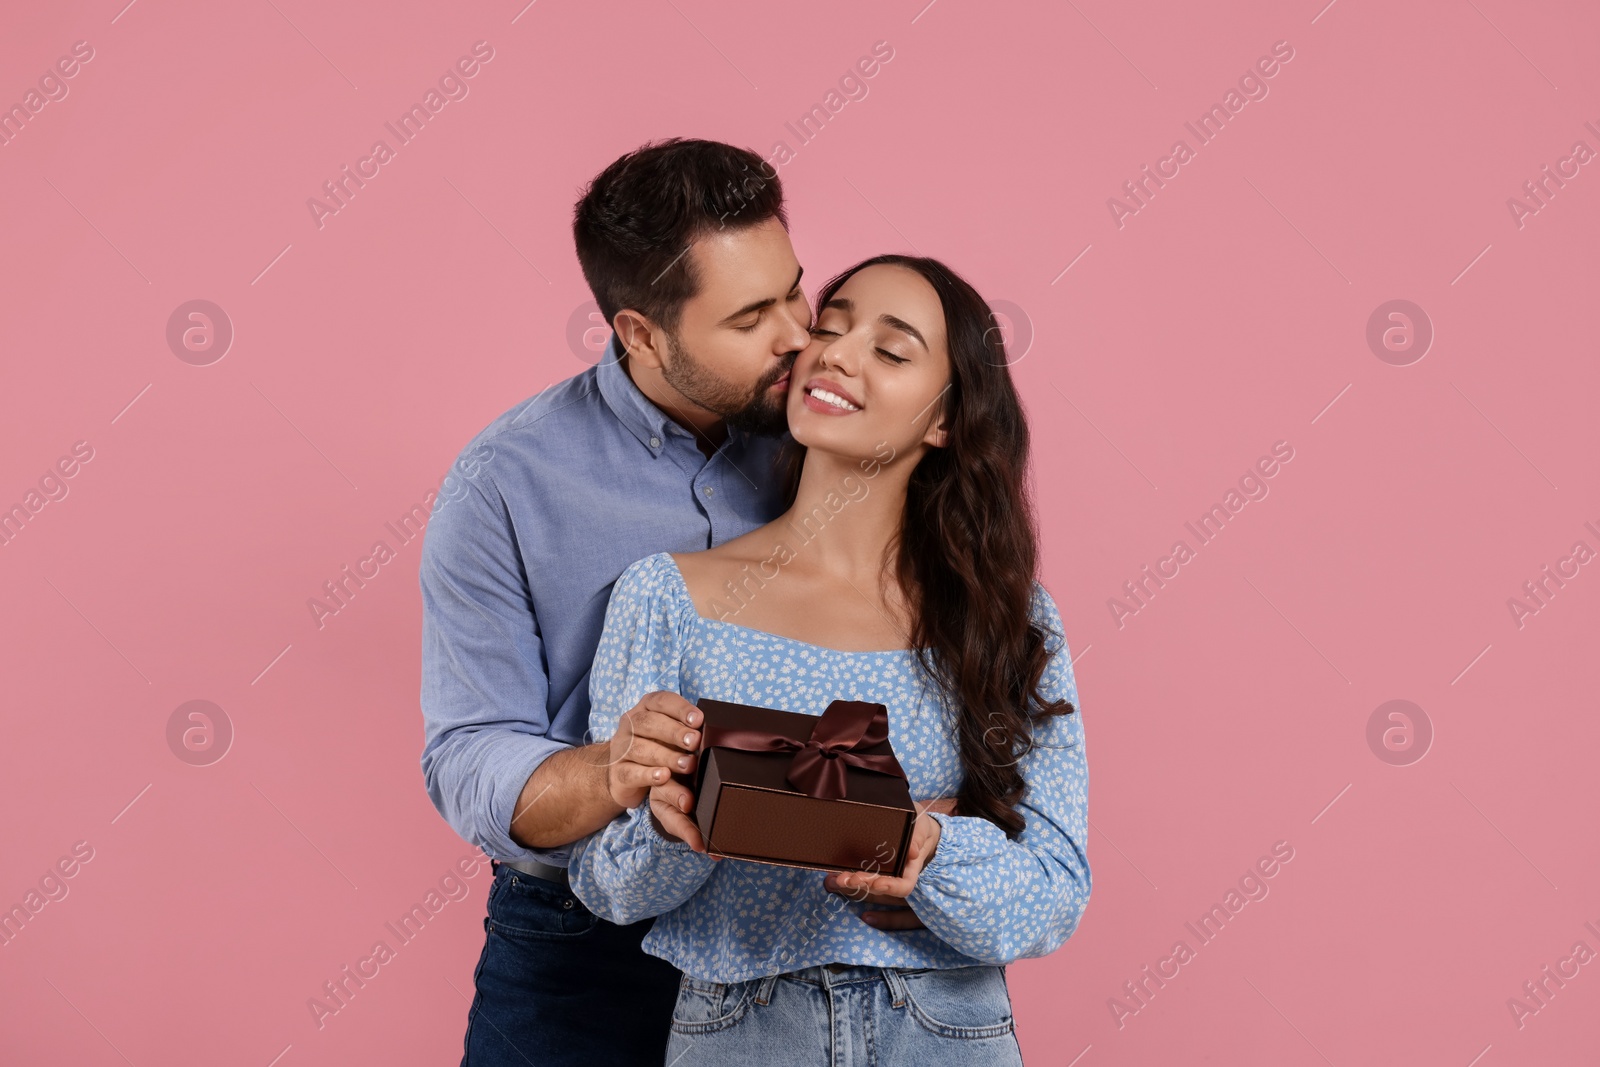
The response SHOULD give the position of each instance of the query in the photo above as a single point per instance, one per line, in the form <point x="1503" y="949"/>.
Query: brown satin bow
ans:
<point x="818" y="767"/>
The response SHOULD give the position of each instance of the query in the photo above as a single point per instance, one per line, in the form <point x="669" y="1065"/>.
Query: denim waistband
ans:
<point x="832" y="975"/>
<point x="828" y="976"/>
<point x="837" y="974"/>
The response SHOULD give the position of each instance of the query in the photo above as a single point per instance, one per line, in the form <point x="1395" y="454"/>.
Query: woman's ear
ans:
<point x="937" y="436"/>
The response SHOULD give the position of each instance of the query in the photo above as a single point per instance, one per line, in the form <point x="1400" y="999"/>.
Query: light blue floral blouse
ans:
<point x="984" y="898"/>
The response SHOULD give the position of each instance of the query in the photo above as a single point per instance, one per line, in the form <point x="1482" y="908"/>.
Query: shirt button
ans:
<point x="655" y="442"/>
<point x="707" y="490"/>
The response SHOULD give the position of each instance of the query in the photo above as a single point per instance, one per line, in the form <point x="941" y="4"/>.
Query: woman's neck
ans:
<point x="846" y="516"/>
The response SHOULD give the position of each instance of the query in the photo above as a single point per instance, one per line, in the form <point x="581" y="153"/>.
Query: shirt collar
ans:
<point x="638" y="412"/>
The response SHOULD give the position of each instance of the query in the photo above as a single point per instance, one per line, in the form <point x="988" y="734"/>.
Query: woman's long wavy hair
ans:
<point x="967" y="552"/>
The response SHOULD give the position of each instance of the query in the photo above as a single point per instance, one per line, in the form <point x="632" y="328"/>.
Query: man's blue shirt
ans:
<point x="556" y="498"/>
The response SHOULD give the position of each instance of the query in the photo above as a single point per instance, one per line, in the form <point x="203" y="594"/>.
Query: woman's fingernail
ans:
<point x="683" y="762"/>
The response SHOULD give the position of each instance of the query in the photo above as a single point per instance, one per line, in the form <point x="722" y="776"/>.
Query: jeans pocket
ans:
<point x="522" y="906"/>
<point x="962" y="1002"/>
<point x="706" y="1007"/>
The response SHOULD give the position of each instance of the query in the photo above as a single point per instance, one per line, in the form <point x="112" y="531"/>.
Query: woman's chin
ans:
<point x="847" y="449"/>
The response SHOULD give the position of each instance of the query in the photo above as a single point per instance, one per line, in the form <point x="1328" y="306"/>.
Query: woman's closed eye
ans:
<point x="818" y="331"/>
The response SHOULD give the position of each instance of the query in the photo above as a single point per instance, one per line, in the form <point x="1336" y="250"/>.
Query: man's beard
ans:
<point x="759" y="411"/>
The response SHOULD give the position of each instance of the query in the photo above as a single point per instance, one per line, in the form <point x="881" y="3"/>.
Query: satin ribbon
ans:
<point x="818" y="766"/>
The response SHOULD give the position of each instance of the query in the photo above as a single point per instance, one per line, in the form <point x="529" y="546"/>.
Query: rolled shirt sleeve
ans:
<point x="484" y="686"/>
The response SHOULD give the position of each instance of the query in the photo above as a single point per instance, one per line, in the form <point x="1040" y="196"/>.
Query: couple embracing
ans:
<point x="595" y="581"/>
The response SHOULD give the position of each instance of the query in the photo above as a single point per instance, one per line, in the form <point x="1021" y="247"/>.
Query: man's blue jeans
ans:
<point x="559" y="985"/>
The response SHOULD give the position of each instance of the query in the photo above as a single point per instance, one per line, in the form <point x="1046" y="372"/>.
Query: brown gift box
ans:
<point x="748" y="808"/>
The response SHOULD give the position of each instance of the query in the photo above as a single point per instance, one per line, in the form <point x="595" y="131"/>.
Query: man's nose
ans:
<point x="796" y="333"/>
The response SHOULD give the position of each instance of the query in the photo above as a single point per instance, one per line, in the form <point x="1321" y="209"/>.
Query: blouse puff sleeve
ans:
<point x="997" y="899"/>
<point x="627" y="871"/>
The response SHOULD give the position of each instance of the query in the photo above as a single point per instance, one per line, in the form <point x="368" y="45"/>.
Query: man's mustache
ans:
<point x="767" y="381"/>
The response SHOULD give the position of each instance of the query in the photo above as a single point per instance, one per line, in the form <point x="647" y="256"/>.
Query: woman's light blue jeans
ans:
<point x="846" y="1016"/>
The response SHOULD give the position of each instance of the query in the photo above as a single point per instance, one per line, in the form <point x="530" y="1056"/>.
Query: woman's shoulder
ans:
<point x="1059" y="677"/>
<point x="703" y="575"/>
<point x="652" y="575"/>
<point x="1043" y="613"/>
<point x="654" y="578"/>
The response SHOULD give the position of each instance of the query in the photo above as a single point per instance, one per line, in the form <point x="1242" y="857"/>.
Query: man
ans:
<point x="668" y="444"/>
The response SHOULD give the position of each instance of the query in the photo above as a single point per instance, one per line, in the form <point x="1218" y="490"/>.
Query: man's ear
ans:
<point x="644" y="341"/>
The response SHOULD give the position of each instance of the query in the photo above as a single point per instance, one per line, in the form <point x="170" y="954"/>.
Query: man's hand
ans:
<point x="576" y="791"/>
<point x="903" y="918"/>
<point x="656" y="739"/>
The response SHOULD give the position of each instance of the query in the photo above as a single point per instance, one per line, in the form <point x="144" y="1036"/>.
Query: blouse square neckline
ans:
<point x="683" y="591"/>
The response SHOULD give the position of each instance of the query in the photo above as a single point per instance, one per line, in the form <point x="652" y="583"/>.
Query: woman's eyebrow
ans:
<point x="904" y="327"/>
<point x="845" y="304"/>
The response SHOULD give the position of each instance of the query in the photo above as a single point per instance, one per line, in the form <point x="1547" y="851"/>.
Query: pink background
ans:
<point x="1229" y="313"/>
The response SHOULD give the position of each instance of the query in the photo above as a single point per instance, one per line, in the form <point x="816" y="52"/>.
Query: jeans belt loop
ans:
<point x="538" y="869"/>
<point x="897" y="987"/>
<point x="764" y="990"/>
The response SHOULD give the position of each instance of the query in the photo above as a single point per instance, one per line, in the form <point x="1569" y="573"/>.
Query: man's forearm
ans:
<point x="565" y="799"/>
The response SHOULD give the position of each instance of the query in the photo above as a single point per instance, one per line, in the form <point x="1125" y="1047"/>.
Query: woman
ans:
<point x="901" y="574"/>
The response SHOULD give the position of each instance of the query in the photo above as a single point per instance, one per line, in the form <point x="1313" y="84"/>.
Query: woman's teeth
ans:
<point x="835" y="399"/>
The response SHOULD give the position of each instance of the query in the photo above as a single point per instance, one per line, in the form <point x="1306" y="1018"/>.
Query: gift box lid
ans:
<point x="768" y="770"/>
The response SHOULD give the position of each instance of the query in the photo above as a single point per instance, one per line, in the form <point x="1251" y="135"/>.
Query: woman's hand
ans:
<point x="671" y="812"/>
<point x="902" y="918"/>
<point x="883" y="889"/>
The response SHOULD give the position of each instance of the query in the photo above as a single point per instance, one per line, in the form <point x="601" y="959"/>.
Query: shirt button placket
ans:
<point x="707" y="494"/>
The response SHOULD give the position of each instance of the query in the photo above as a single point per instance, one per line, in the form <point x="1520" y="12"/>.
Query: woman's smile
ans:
<point x="829" y="398"/>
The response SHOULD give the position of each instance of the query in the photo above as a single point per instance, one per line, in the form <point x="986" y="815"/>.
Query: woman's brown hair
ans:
<point x="967" y="552"/>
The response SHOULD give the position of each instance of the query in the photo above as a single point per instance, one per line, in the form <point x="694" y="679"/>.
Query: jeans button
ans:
<point x="567" y="903"/>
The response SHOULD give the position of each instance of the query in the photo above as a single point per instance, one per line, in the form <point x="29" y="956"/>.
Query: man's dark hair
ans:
<point x="635" y="222"/>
